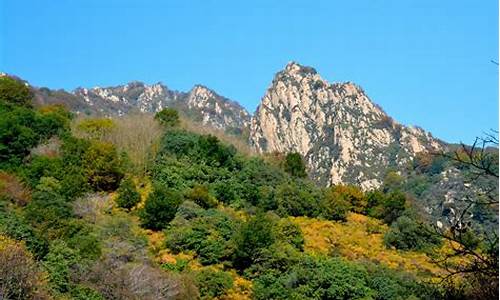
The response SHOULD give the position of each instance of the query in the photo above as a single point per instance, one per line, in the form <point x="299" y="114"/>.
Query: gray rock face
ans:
<point x="200" y="103"/>
<point x="344" y="137"/>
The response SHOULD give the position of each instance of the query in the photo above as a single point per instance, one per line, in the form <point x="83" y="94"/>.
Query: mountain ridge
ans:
<point x="343" y="135"/>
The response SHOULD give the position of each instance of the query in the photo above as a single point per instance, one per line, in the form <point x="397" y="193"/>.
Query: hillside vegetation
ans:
<point x="142" y="207"/>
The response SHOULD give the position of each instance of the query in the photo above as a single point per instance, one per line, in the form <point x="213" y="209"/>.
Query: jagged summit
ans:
<point x="200" y="103"/>
<point x="343" y="135"/>
<point x="295" y="67"/>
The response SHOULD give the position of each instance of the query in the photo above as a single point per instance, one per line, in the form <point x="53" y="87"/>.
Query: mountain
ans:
<point x="200" y="103"/>
<point x="343" y="136"/>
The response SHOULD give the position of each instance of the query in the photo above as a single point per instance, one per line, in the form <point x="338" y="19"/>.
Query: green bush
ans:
<point x="212" y="283"/>
<point x="168" y="117"/>
<point x="103" y="167"/>
<point x="407" y="234"/>
<point x="315" y="278"/>
<point x="334" y="206"/>
<point x="393" y="207"/>
<point x="200" y="195"/>
<point x="17" y="135"/>
<point x="14" y="226"/>
<point x="214" y="153"/>
<point x="291" y="233"/>
<point x="256" y="234"/>
<point x="128" y="196"/>
<point x="48" y="209"/>
<point x="22" y="128"/>
<point x="389" y="284"/>
<point x="294" y="165"/>
<point x="297" y="198"/>
<point x="206" y="232"/>
<point x="59" y="262"/>
<point x="14" y="92"/>
<point x="160" y="207"/>
<point x="79" y="236"/>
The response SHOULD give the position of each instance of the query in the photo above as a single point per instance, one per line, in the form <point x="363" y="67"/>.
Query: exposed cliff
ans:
<point x="343" y="135"/>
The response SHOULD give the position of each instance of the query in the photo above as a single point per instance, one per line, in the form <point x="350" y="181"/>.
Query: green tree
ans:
<point x="17" y="136"/>
<point x="14" y="92"/>
<point x="315" y="278"/>
<point x="200" y="195"/>
<point x="294" y="165"/>
<point x="340" y="199"/>
<point x="95" y="128"/>
<point x="128" y="196"/>
<point x="215" y="153"/>
<point x="290" y="233"/>
<point x="393" y="206"/>
<point x="297" y="198"/>
<point x="407" y="234"/>
<point x="168" y="117"/>
<point x="212" y="283"/>
<point x="59" y="263"/>
<point x="256" y="234"/>
<point x="160" y="207"/>
<point x="208" y="233"/>
<point x="103" y="166"/>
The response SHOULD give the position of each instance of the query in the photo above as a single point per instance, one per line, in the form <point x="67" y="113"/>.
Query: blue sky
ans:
<point x="425" y="62"/>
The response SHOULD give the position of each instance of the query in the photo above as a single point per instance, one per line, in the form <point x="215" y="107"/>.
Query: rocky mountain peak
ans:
<point x="295" y="68"/>
<point x="343" y="135"/>
<point x="200" y="103"/>
<point x="216" y="110"/>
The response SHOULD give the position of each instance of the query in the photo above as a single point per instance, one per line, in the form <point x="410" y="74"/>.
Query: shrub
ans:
<point x="14" y="92"/>
<point x="335" y="205"/>
<point x="291" y="233"/>
<point x="294" y="165"/>
<point x="393" y="285"/>
<point x="15" y="227"/>
<point x="168" y="117"/>
<point x="48" y="209"/>
<point x="20" y="277"/>
<point x="214" y="153"/>
<point x="406" y="234"/>
<point x="315" y="278"/>
<point x="103" y="167"/>
<point x="297" y="199"/>
<point x="13" y="189"/>
<point x="212" y="283"/>
<point x="253" y="236"/>
<point x="160" y="207"/>
<point x="95" y="128"/>
<point x="393" y="206"/>
<point x="128" y="196"/>
<point x="200" y="195"/>
<point x="16" y="135"/>
<point x="53" y="120"/>
<point x="58" y="263"/>
<point x="208" y="234"/>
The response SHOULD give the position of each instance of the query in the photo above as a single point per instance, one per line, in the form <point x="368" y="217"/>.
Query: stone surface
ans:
<point x="343" y="136"/>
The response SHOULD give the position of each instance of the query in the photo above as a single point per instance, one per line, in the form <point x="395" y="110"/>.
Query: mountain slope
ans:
<point x="200" y="103"/>
<point x="344" y="137"/>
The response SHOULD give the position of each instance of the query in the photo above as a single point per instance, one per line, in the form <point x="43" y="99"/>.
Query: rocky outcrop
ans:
<point x="200" y="103"/>
<point x="343" y="135"/>
<point x="215" y="110"/>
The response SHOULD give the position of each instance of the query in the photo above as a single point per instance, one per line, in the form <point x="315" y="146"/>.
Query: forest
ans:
<point x="153" y="207"/>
